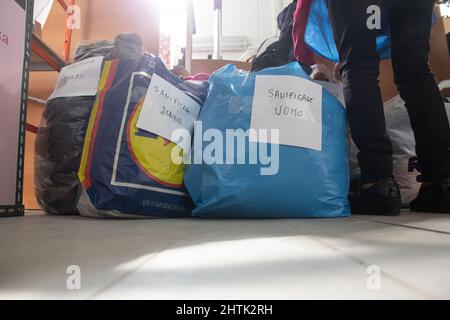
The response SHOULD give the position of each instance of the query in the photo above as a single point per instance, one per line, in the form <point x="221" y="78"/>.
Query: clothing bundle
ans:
<point x="62" y="131"/>
<point x="127" y="172"/>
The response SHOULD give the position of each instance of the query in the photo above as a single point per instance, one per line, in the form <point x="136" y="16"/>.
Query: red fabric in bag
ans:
<point x="302" y="52"/>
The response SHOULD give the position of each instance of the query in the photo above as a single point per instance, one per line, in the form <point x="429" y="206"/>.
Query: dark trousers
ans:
<point x="410" y="23"/>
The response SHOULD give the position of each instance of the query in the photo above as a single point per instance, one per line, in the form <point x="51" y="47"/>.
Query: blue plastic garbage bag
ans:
<point x="309" y="183"/>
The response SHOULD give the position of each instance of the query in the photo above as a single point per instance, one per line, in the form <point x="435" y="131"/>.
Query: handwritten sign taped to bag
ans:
<point x="293" y="106"/>
<point x="79" y="79"/>
<point x="166" y="109"/>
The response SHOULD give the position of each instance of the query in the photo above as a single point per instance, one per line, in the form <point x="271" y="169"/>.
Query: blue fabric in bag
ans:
<point x="309" y="183"/>
<point x="319" y="34"/>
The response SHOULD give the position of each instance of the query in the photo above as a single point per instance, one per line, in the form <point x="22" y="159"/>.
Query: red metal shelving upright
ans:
<point x="43" y="57"/>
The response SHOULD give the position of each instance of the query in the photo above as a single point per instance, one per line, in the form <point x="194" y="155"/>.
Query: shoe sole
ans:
<point x="434" y="208"/>
<point x="428" y="210"/>
<point x="390" y="207"/>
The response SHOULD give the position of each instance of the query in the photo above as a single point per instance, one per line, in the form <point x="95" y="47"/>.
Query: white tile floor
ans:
<point x="212" y="259"/>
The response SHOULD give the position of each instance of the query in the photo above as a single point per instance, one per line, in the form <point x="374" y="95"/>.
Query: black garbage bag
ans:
<point x="282" y="51"/>
<point x="60" y="139"/>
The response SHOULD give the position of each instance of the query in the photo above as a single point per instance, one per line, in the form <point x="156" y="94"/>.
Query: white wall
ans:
<point x="253" y="19"/>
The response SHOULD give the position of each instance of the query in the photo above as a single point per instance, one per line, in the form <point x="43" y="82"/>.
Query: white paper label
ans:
<point x="292" y="105"/>
<point x="166" y="109"/>
<point x="79" y="79"/>
<point x="335" y="89"/>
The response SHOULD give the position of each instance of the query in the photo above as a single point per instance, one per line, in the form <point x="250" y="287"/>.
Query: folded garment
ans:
<point x="198" y="77"/>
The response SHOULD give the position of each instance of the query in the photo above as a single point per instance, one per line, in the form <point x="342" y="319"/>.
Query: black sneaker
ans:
<point x="382" y="199"/>
<point x="434" y="198"/>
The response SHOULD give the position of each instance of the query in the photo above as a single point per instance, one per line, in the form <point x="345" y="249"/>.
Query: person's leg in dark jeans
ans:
<point x="410" y="32"/>
<point x="360" y="70"/>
